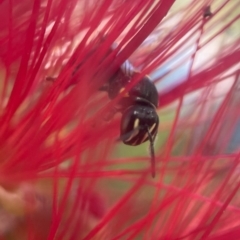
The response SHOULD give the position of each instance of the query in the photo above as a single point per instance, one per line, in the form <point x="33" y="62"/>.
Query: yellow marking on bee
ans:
<point x="145" y="137"/>
<point x="136" y="123"/>
<point x="146" y="134"/>
<point x="153" y="126"/>
<point x="134" y="143"/>
<point x="121" y="90"/>
<point x="126" y="94"/>
<point x="134" y="134"/>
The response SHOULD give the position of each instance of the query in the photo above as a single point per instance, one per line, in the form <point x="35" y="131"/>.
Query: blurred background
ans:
<point x="105" y="189"/>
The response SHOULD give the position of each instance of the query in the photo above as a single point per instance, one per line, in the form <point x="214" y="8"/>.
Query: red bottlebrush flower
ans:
<point x="64" y="174"/>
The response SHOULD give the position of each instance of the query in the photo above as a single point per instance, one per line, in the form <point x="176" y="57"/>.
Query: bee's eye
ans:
<point x="136" y="122"/>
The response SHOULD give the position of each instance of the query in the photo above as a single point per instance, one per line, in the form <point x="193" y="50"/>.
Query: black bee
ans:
<point x="140" y="121"/>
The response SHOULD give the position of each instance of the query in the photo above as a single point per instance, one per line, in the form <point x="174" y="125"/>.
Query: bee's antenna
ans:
<point x="151" y="140"/>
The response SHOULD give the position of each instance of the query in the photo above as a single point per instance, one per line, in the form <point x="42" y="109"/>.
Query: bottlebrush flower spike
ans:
<point x="57" y="153"/>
